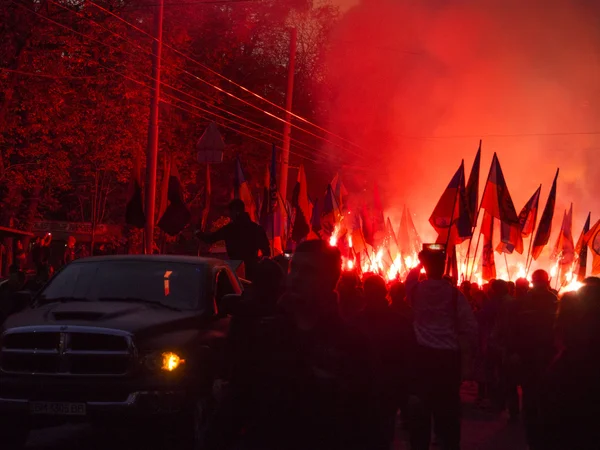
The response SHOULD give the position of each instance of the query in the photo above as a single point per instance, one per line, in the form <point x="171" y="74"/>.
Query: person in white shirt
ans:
<point x="443" y="322"/>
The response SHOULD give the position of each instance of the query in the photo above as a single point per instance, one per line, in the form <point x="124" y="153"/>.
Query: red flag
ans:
<point x="241" y="190"/>
<point x="542" y="235"/>
<point x="581" y="250"/>
<point x="301" y="205"/>
<point x="528" y="215"/>
<point x="134" y="209"/>
<point x="472" y="189"/>
<point x="379" y="230"/>
<point x="450" y="218"/>
<point x="564" y="249"/>
<point x="496" y="198"/>
<point x="488" y="264"/>
<point x="593" y="241"/>
<point x="408" y="236"/>
<point x="177" y="215"/>
<point x="497" y="202"/>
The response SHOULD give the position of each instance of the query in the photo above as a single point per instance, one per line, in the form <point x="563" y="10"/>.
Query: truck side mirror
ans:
<point x="229" y="303"/>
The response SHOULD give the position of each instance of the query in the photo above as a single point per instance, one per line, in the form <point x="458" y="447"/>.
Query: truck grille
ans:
<point x="66" y="351"/>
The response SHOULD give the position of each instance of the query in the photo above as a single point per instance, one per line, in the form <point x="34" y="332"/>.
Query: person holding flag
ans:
<point x="243" y="238"/>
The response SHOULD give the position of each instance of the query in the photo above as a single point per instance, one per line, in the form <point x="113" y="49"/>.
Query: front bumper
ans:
<point x="112" y="401"/>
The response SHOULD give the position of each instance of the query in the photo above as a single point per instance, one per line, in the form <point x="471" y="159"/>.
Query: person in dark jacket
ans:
<point x="351" y="299"/>
<point x="15" y="282"/>
<point x="535" y="348"/>
<point x="243" y="238"/>
<point x="251" y="334"/>
<point x="570" y="393"/>
<point x="391" y="341"/>
<point x="42" y="276"/>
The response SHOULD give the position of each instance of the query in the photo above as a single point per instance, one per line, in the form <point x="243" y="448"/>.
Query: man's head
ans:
<point x="434" y="264"/>
<point x="465" y="288"/>
<point x="314" y="270"/>
<point x="236" y="208"/>
<point x="540" y="278"/>
<point x="499" y="288"/>
<point x="374" y="288"/>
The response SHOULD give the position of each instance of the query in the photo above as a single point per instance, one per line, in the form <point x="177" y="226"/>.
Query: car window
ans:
<point x="177" y="285"/>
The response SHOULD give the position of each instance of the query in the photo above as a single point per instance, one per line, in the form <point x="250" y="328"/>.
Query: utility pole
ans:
<point x="152" y="152"/>
<point x="287" y="127"/>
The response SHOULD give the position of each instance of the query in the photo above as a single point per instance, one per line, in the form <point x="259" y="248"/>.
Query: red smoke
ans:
<point x="419" y="83"/>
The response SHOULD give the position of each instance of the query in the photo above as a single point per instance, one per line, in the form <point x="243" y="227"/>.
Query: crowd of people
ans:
<point x="322" y="359"/>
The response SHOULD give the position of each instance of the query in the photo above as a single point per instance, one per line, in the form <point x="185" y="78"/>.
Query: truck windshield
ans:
<point x="176" y="285"/>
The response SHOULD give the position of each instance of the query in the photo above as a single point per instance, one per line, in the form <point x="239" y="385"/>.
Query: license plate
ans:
<point x="58" y="408"/>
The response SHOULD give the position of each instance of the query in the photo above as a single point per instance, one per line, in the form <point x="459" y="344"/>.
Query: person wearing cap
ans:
<point x="442" y="319"/>
<point x="534" y="348"/>
<point x="243" y="238"/>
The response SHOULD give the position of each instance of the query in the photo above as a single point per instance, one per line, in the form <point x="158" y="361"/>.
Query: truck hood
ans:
<point x="131" y="317"/>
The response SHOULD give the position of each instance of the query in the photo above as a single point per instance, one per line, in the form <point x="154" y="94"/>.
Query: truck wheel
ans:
<point x="13" y="436"/>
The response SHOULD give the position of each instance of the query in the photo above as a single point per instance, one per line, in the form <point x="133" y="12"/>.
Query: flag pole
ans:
<point x="527" y="260"/>
<point x="474" y="226"/>
<point x="461" y="180"/>
<point x="476" y="223"/>
<point x="474" y="256"/>
<point x="507" y="271"/>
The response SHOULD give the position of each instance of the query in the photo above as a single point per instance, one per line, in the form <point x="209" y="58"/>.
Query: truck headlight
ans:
<point x="164" y="361"/>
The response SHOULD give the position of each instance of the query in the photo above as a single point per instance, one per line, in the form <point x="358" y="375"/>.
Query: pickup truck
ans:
<point x="111" y="340"/>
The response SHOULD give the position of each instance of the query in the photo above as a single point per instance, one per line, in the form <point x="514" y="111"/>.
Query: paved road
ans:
<point x="482" y="430"/>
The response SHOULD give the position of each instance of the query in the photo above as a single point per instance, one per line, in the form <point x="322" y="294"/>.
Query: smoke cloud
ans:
<point x="418" y="83"/>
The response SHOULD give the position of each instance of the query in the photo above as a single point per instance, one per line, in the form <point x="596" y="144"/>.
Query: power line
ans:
<point x="236" y="84"/>
<point x="172" y="66"/>
<point x="43" y="75"/>
<point x="211" y="2"/>
<point x="205" y="111"/>
<point x="507" y="135"/>
<point x="148" y="76"/>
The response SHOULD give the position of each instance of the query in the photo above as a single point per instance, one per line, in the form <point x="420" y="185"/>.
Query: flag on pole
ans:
<point x="315" y="221"/>
<point x="301" y="206"/>
<point x="392" y="240"/>
<point x="357" y="236"/>
<point x="472" y="189"/>
<point x="510" y="239"/>
<point x="271" y="216"/>
<point x="564" y="249"/>
<point x="339" y="190"/>
<point x="134" y="209"/>
<point x="241" y="190"/>
<point x="528" y="215"/>
<point x="581" y="250"/>
<point x="593" y="241"/>
<point x="330" y="213"/>
<point x="542" y="235"/>
<point x="409" y="240"/>
<point x="379" y="228"/>
<point x="177" y="215"/>
<point x="207" y="193"/>
<point x="496" y="198"/>
<point x="488" y="263"/>
<point x="451" y="218"/>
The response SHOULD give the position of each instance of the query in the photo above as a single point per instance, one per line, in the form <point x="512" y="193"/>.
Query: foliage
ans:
<point x="74" y="107"/>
